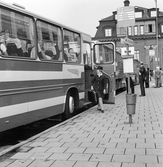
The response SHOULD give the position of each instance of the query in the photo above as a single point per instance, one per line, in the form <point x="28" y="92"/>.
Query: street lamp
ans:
<point x="157" y="52"/>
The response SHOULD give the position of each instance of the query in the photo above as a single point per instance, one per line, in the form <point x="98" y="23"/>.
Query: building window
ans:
<point x="129" y="30"/>
<point x="161" y="28"/>
<point x="151" y="28"/>
<point x="136" y="30"/>
<point x="108" y="32"/>
<point x="138" y="14"/>
<point x="136" y="54"/>
<point x="141" y="30"/>
<point x="153" y="13"/>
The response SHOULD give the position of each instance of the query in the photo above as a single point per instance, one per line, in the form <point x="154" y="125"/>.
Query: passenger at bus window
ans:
<point x="3" y="49"/>
<point x="24" y="48"/>
<point x="72" y="57"/>
<point x="41" y="52"/>
<point x="13" y="45"/>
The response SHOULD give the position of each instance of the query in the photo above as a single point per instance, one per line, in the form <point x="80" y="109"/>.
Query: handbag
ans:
<point x="92" y="96"/>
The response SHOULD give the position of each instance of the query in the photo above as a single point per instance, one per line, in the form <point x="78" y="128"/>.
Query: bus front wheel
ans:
<point x="69" y="107"/>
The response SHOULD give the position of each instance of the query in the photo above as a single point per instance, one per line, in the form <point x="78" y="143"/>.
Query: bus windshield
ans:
<point x="103" y="53"/>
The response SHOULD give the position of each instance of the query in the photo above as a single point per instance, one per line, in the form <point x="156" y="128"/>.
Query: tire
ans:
<point x="69" y="107"/>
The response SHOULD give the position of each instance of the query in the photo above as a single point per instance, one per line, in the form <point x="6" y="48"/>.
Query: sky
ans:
<point x="82" y="15"/>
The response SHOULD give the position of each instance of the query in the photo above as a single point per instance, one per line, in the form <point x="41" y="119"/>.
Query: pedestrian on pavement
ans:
<point x="161" y="77"/>
<point x="147" y="78"/>
<point x="99" y="85"/>
<point x="131" y="85"/>
<point x="157" y="77"/>
<point x="142" y="75"/>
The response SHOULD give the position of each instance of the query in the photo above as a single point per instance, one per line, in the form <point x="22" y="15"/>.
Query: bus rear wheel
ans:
<point x="69" y="107"/>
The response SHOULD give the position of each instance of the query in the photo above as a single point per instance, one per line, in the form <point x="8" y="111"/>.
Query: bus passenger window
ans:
<point x="18" y="30"/>
<point x="3" y="49"/>
<point x="50" y="41"/>
<point x="71" y="47"/>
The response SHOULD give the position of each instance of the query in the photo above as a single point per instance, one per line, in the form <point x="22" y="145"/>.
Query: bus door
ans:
<point x="104" y="56"/>
<point x="87" y="59"/>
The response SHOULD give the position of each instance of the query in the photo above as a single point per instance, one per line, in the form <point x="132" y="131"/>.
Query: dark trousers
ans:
<point x="147" y="84"/>
<point x="141" y="82"/>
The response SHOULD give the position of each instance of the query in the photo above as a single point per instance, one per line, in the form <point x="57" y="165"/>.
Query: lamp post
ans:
<point x="157" y="52"/>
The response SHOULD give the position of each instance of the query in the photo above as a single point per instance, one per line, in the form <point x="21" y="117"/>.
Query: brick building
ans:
<point x="143" y="33"/>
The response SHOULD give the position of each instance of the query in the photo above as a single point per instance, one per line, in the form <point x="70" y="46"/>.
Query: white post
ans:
<point x="157" y="50"/>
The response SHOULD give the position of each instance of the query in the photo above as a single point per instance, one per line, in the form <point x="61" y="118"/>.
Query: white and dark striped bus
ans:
<point x="45" y="68"/>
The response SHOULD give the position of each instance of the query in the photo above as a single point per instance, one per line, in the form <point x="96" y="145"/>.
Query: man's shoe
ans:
<point x="98" y="109"/>
<point x="102" y="111"/>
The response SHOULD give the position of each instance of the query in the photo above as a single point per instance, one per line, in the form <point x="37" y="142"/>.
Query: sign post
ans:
<point x="126" y="18"/>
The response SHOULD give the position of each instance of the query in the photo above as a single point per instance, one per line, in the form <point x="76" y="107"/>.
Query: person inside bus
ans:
<point x="99" y="85"/>
<point x="72" y="56"/>
<point x="13" y="45"/>
<point x="41" y="53"/>
<point x="3" y="49"/>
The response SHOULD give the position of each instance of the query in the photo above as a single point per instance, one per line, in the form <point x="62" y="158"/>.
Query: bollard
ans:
<point x="130" y="105"/>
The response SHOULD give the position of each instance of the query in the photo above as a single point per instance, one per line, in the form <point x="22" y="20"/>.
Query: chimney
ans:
<point x="126" y="3"/>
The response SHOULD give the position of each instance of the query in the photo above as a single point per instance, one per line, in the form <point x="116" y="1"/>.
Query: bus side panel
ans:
<point x="45" y="103"/>
<point x="13" y="111"/>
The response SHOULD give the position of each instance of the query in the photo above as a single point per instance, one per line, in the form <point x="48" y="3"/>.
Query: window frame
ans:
<point x="141" y="29"/>
<point x="76" y="50"/>
<point x="13" y="32"/>
<point x="135" y="30"/>
<point x="47" y="45"/>
<point x="108" y="32"/>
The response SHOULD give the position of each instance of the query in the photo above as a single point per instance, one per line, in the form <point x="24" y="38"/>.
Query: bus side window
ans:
<point x="72" y="46"/>
<point x="18" y="30"/>
<point x="50" y="41"/>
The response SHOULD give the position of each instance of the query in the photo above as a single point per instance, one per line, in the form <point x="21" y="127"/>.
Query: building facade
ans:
<point x="147" y="35"/>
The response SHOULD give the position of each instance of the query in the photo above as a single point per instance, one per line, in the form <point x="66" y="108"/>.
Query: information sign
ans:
<point x="128" y="65"/>
<point x="126" y="16"/>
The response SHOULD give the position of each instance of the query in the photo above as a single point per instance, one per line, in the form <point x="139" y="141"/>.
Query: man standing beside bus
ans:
<point x="142" y="75"/>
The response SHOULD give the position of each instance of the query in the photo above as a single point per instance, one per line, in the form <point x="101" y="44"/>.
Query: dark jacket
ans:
<point x="142" y="70"/>
<point x="99" y="83"/>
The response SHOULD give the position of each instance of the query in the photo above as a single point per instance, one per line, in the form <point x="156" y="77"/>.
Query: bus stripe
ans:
<point x="35" y="75"/>
<point x="26" y="65"/>
<point x="6" y="86"/>
<point x="22" y="108"/>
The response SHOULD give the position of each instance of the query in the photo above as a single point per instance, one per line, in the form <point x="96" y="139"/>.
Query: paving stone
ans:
<point x="146" y="159"/>
<point x="106" y="164"/>
<point x="63" y="163"/>
<point x="80" y="157"/>
<point x="133" y="165"/>
<point x="123" y="158"/>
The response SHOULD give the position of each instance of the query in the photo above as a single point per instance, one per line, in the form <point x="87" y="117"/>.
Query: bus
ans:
<point x="45" y="68"/>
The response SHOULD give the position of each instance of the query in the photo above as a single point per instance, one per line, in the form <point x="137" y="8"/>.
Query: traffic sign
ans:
<point x="131" y="51"/>
<point x="127" y="41"/>
<point x="126" y="16"/>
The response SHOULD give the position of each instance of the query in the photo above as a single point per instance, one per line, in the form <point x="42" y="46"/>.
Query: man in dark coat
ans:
<point x="99" y="85"/>
<point x="142" y="75"/>
<point x="147" y="78"/>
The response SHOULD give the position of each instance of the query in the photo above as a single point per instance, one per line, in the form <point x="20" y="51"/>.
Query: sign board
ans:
<point x="151" y="52"/>
<point x="128" y="65"/>
<point x="124" y="51"/>
<point x="127" y="41"/>
<point x="126" y="16"/>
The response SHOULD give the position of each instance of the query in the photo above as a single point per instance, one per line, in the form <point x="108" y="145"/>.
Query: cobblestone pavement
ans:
<point x="95" y="139"/>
